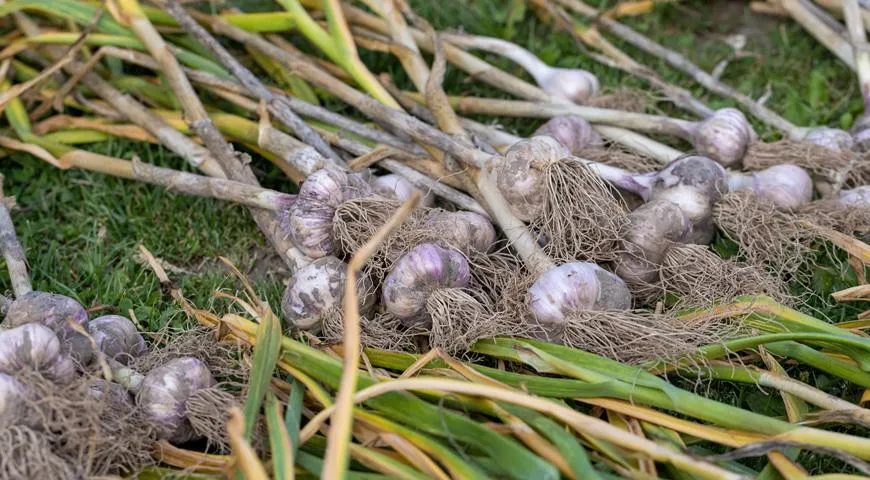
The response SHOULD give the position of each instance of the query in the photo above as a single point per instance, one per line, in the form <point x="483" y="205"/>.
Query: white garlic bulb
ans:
<point x="395" y="187"/>
<point x="424" y="269"/>
<point x="521" y="175"/>
<point x="12" y="400"/>
<point x="832" y="138"/>
<point x="466" y="231"/>
<point x="724" y="136"/>
<point x="573" y="132"/>
<point x="164" y="392"/>
<point x="786" y="186"/>
<point x="856" y="197"/>
<point x="56" y="312"/>
<point x="572" y="84"/>
<point x="652" y="229"/>
<point x="317" y="288"/>
<point x="34" y="347"/>
<point x="311" y="218"/>
<point x="117" y="337"/>
<point x="574" y="287"/>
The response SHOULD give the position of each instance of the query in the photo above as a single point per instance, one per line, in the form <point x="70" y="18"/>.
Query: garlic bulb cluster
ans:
<point x="652" y="229"/>
<point x="572" y="131"/>
<point x="312" y="215"/>
<point x="57" y="312"/>
<point x="424" y="269"/>
<point x="164" y="392"/>
<point x="521" y="177"/>
<point x="574" y="287"/>
<point x="34" y="346"/>
<point x="724" y="136"/>
<point x="317" y="288"/>
<point x="394" y="187"/>
<point x="786" y="186"/>
<point x="12" y="400"/>
<point x="116" y="337"/>
<point x="463" y="230"/>
<point x="832" y="138"/>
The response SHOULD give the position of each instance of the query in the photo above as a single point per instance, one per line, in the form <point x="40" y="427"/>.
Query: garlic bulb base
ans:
<point x="521" y="175"/>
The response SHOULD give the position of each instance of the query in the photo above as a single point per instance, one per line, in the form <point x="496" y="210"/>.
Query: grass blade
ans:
<point x="266" y="354"/>
<point x="279" y="440"/>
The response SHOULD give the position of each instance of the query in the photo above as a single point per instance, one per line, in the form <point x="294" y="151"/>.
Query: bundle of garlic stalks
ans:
<point x="571" y="270"/>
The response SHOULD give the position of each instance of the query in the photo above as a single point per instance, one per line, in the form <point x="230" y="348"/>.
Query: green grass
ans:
<point x="81" y="230"/>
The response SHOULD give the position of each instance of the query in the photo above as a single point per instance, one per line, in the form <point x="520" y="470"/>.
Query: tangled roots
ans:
<point x="383" y="332"/>
<point x="223" y="358"/>
<point x="697" y="277"/>
<point x="620" y="158"/>
<point x="89" y="423"/>
<point x="635" y="337"/>
<point x="28" y="454"/>
<point x="625" y="99"/>
<point x="850" y="220"/>
<point x="581" y="219"/>
<point x="842" y="167"/>
<point x="207" y="410"/>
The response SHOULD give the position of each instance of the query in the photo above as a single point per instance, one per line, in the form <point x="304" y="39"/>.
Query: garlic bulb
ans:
<point x="694" y="183"/>
<point x="832" y="138"/>
<point x="56" y="312"/>
<point x="575" y="287"/>
<point x="724" y="136"/>
<point x="117" y="337"/>
<point x="164" y="392"/>
<point x="856" y="197"/>
<point x="861" y="134"/>
<point x="787" y="186"/>
<point x="521" y="176"/>
<point x="572" y="131"/>
<point x="34" y="347"/>
<point x="652" y="229"/>
<point x="311" y="216"/>
<point x="416" y="275"/>
<point x="463" y="230"/>
<point x="570" y="84"/>
<point x="111" y="392"/>
<point x="12" y="400"/>
<point x="317" y="288"/>
<point x="394" y="187"/>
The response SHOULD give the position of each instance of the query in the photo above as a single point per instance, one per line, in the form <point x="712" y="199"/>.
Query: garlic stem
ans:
<point x="638" y="143"/>
<point x="822" y="32"/>
<point x="16" y="262"/>
<point x="858" y="36"/>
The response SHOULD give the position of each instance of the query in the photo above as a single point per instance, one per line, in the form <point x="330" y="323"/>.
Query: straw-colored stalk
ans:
<point x="16" y="262"/>
<point x="827" y="36"/>
<point x="858" y="36"/>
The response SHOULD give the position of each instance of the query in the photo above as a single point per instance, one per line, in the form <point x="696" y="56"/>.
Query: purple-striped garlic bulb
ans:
<point x="521" y="176"/>
<point x="724" y="136"/>
<point x="786" y="186"/>
<point x="317" y="288"/>
<point x="395" y="187"/>
<point x="574" y="287"/>
<point x="12" y="400"/>
<point x="652" y="228"/>
<point x="832" y="138"/>
<point x="57" y="312"/>
<point x="117" y="337"/>
<point x="33" y="346"/>
<point x="572" y="131"/>
<point x="311" y="217"/>
<point x="416" y="275"/>
<point x="466" y="231"/>
<point x="164" y="392"/>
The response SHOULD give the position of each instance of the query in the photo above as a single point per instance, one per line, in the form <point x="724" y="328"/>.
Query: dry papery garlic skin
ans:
<point x="652" y="228"/>
<point x="164" y="392"/>
<point x="33" y="346"/>
<point x="56" y="312"/>
<point x="424" y="269"/>
<point x="311" y="217"/>
<point x="856" y="197"/>
<point x="724" y="136"/>
<point x="832" y="138"/>
<point x="521" y="175"/>
<point x="694" y="183"/>
<point x="395" y="187"/>
<point x="786" y="186"/>
<point x="572" y="131"/>
<point x="117" y="337"/>
<point x="12" y="400"/>
<point x="575" y="287"/>
<point x="463" y="230"/>
<point x="318" y="287"/>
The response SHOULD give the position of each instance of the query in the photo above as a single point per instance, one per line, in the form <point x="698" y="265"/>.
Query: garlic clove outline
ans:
<point x="694" y="183"/>
<point x="424" y="269"/>
<point x="117" y="337"/>
<point x="318" y="287"/>
<point x="466" y="231"/>
<point x="724" y="136"/>
<point x="56" y="312"/>
<point x="33" y="346"/>
<point x="164" y="392"/>
<point x="652" y="229"/>
<point x="521" y="175"/>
